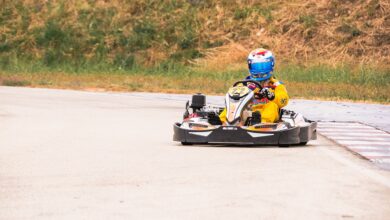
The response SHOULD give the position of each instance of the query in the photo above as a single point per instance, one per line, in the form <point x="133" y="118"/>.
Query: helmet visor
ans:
<point x="262" y="67"/>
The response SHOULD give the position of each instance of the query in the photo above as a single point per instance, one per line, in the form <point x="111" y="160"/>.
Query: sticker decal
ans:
<point x="255" y="135"/>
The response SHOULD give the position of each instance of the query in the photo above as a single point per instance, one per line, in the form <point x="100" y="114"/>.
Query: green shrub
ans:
<point x="308" y="21"/>
<point x="187" y="54"/>
<point x="241" y="13"/>
<point x="265" y="12"/>
<point x="142" y="37"/>
<point x="126" y="62"/>
<point x="350" y="30"/>
<point x="5" y="47"/>
<point x="211" y="44"/>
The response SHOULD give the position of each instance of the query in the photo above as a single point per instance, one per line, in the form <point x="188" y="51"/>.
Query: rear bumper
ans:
<point x="238" y="135"/>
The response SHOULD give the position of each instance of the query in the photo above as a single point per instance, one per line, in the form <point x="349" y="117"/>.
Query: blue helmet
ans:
<point x="261" y="64"/>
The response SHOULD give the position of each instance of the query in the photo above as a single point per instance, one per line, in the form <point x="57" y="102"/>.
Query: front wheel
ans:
<point x="284" y="145"/>
<point x="186" y="143"/>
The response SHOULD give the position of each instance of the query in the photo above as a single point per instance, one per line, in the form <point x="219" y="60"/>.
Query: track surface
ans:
<point x="83" y="155"/>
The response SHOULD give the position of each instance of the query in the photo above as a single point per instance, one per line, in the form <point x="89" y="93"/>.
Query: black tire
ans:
<point x="302" y="143"/>
<point x="186" y="143"/>
<point x="284" y="145"/>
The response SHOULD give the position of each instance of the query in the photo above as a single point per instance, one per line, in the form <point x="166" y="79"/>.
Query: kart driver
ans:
<point x="273" y="96"/>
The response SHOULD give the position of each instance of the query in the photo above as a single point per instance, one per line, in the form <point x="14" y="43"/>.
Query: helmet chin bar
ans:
<point x="263" y="77"/>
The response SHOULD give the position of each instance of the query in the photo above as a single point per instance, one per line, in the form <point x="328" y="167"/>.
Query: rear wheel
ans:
<point x="284" y="145"/>
<point x="302" y="143"/>
<point x="186" y="143"/>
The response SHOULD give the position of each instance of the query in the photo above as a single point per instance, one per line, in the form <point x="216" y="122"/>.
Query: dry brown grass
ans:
<point x="299" y="31"/>
<point x="311" y="31"/>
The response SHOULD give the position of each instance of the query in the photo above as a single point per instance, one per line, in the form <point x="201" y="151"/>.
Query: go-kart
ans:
<point x="242" y="126"/>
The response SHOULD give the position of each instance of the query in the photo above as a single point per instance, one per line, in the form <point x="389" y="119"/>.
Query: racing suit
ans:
<point x="268" y="109"/>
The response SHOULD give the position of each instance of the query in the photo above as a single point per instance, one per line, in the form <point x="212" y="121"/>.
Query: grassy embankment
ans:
<point x="323" y="82"/>
<point x="187" y="46"/>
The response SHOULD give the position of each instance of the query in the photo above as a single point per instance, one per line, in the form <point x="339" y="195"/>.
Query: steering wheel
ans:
<point x="246" y="82"/>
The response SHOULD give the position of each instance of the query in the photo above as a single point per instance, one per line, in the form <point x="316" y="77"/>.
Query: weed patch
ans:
<point x="350" y="30"/>
<point x="15" y="82"/>
<point x="308" y="21"/>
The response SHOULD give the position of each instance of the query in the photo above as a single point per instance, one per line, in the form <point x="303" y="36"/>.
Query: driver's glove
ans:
<point x="252" y="86"/>
<point x="267" y="93"/>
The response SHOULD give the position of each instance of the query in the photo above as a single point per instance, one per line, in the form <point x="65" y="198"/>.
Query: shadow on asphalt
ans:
<point x="240" y="146"/>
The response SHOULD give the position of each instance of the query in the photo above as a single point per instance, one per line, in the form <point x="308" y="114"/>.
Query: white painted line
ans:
<point x="356" y="130"/>
<point x="356" y="134"/>
<point x="342" y="126"/>
<point x="345" y="128"/>
<point x="384" y="152"/>
<point x="367" y="130"/>
<point x="376" y="157"/>
<point x="381" y="160"/>
<point x="364" y="132"/>
<point x="339" y="123"/>
<point x="367" y="141"/>
<point x="367" y="138"/>
<point x="375" y="154"/>
<point x="359" y="138"/>
<point x="373" y="144"/>
<point x="362" y="148"/>
<point x="363" y="142"/>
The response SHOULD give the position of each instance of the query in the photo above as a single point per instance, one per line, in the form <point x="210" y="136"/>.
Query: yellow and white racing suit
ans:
<point x="268" y="109"/>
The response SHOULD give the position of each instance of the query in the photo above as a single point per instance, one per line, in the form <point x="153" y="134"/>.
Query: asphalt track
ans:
<point x="84" y="155"/>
